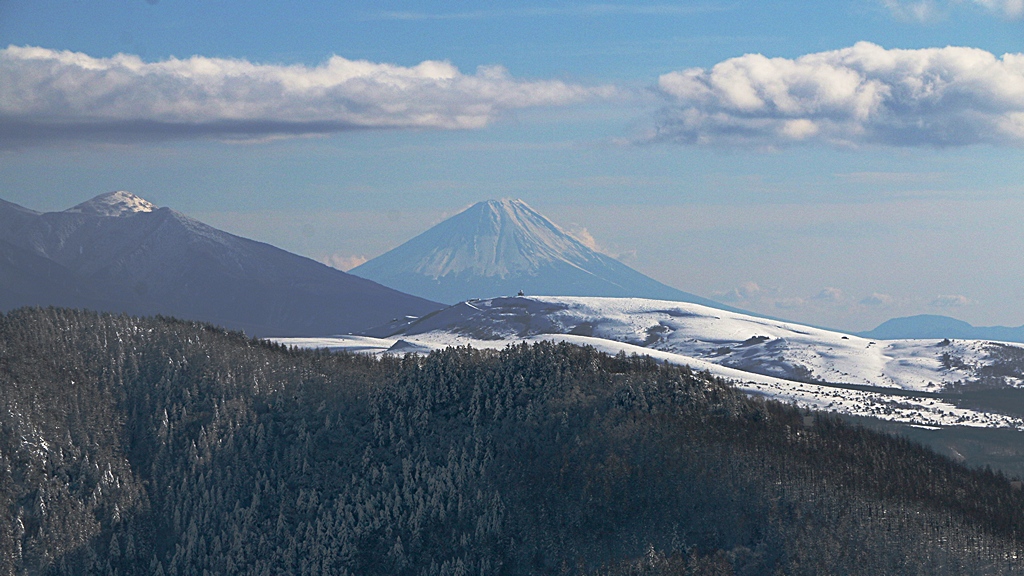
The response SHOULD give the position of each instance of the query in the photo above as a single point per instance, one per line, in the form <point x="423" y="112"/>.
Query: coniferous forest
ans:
<point x="157" y="446"/>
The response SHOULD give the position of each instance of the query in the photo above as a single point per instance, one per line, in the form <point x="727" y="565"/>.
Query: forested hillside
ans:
<point x="155" y="446"/>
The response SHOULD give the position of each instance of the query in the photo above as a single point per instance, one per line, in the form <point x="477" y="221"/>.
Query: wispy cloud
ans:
<point x="889" y="178"/>
<point x="829" y="294"/>
<point x="343" y="262"/>
<point x="914" y="10"/>
<point x="792" y="303"/>
<point x="950" y="301"/>
<point x="931" y="10"/>
<point x="584" y="237"/>
<point x="864" y="94"/>
<point x="745" y="292"/>
<point x="48" y="95"/>
<point x="877" y="299"/>
<point x="1008" y="8"/>
<point x="579" y="11"/>
<point x="756" y="296"/>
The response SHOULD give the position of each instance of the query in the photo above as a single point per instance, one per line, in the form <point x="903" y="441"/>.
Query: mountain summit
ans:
<point x="120" y="203"/>
<point x="499" y="247"/>
<point x="493" y="239"/>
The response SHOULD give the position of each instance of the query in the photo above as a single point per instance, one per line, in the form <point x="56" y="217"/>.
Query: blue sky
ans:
<point x="830" y="162"/>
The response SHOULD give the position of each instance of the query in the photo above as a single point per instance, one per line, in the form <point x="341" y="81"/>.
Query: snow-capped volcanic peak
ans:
<point x="504" y="247"/>
<point x="498" y="238"/>
<point x="120" y="203"/>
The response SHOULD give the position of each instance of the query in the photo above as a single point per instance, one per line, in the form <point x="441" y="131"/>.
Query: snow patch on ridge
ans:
<point x="119" y="203"/>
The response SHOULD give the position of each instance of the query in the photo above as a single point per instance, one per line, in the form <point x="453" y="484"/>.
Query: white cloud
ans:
<point x="344" y="262"/>
<point x="742" y="293"/>
<point x="864" y="94"/>
<point x="915" y="10"/>
<point x="829" y="294"/>
<point x="950" y="301"/>
<point x="1007" y="8"/>
<point x="877" y="299"/>
<point x="47" y="95"/>
<point x="932" y="10"/>
<point x="789" y="303"/>
<point x="584" y="237"/>
<point x="929" y="10"/>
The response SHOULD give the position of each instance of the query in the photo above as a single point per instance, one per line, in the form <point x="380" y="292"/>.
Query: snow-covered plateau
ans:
<point x="898" y="380"/>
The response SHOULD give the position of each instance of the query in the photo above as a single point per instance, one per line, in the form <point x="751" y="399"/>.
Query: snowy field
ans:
<point x="785" y="361"/>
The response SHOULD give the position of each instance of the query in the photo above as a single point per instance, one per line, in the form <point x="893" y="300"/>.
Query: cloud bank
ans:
<point x="864" y="94"/>
<point x="52" y="95"/>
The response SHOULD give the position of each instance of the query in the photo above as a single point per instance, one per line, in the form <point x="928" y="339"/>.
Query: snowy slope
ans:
<point x="809" y="366"/>
<point x="758" y="345"/>
<point x="919" y="411"/>
<point x="499" y="247"/>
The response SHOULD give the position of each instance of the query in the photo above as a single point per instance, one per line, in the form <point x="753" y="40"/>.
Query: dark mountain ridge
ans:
<point x="120" y="253"/>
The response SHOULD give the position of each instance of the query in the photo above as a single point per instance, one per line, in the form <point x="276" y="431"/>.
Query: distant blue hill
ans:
<point x="929" y="326"/>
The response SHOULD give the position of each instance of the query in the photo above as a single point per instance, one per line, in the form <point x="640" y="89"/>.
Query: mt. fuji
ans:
<point x="499" y="247"/>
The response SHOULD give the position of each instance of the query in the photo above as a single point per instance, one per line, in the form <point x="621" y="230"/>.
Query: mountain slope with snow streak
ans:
<point x="120" y="253"/>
